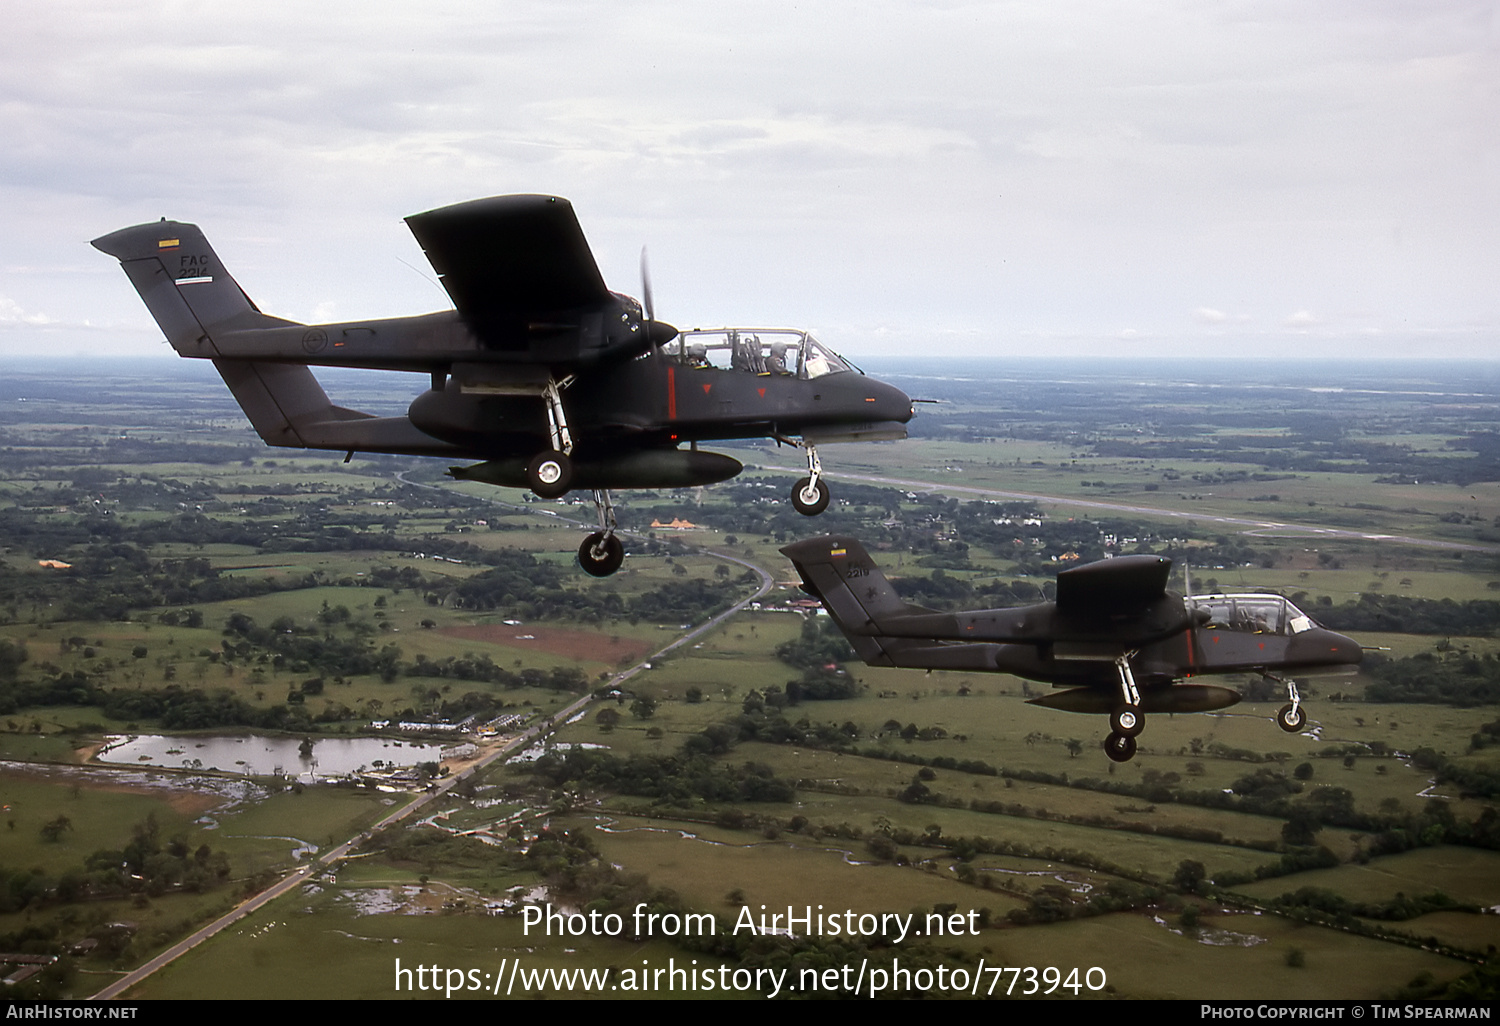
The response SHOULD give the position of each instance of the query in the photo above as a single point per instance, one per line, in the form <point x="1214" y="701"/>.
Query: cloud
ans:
<point x="12" y="316"/>
<point x="987" y="169"/>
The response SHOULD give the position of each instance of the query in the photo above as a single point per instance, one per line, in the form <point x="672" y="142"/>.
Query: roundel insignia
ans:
<point x="314" y="341"/>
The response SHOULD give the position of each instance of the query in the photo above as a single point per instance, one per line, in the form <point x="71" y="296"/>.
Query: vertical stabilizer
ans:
<point x="194" y="300"/>
<point x="838" y="572"/>
<point x="183" y="284"/>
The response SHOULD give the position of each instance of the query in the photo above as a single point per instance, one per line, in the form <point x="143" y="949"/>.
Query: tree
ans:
<point x="607" y="719"/>
<point x="1189" y="918"/>
<point x="52" y="831"/>
<point x="1300" y="830"/>
<point x="1189" y="876"/>
<point x="1074" y="746"/>
<point x="643" y="708"/>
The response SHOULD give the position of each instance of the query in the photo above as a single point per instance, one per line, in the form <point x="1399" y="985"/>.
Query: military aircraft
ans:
<point x="541" y="372"/>
<point x="1115" y="637"/>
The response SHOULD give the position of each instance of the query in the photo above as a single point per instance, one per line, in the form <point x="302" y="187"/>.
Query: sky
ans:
<point x="905" y="177"/>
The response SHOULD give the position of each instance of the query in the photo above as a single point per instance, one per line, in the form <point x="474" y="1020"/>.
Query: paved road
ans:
<point x="302" y="873"/>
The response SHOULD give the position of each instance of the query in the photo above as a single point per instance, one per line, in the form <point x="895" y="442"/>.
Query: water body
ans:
<point x="258" y="755"/>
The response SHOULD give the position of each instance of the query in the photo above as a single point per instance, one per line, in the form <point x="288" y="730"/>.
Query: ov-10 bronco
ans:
<point x="1115" y="637"/>
<point x="540" y="371"/>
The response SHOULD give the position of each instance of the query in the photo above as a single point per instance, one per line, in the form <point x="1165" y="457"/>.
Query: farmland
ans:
<point x="163" y="573"/>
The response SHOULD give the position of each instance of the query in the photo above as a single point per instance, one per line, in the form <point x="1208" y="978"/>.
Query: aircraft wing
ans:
<point x="1121" y="586"/>
<point x="516" y="267"/>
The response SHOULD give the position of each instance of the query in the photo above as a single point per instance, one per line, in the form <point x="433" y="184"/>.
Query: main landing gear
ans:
<point x="550" y="474"/>
<point x="810" y="495"/>
<point x="1290" y="717"/>
<point x="602" y="552"/>
<point x="1126" y="721"/>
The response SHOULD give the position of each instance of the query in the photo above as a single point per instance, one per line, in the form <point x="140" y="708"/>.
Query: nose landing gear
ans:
<point x="1290" y="717"/>
<point x="810" y="494"/>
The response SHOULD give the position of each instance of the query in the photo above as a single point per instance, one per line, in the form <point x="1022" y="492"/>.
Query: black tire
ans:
<point x="550" y="474"/>
<point x="1119" y="748"/>
<point x="1291" y="719"/>
<point x="807" y="500"/>
<point x="1127" y="721"/>
<point x="610" y="554"/>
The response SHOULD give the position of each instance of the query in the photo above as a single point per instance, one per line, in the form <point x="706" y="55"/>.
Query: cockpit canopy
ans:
<point x="1252" y="614"/>
<point x="764" y="351"/>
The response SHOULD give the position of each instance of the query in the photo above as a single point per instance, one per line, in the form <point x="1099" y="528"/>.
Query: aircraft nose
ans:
<point x="887" y="402"/>
<point x="1321" y="647"/>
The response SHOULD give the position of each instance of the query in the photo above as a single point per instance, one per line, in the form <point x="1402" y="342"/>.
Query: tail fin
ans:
<point x="194" y="300"/>
<point x="839" y="573"/>
<point x="183" y="284"/>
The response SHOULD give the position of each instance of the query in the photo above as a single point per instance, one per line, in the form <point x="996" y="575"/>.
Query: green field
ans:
<point x="315" y="596"/>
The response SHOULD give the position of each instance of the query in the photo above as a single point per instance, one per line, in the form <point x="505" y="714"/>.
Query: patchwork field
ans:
<point x="213" y="585"/>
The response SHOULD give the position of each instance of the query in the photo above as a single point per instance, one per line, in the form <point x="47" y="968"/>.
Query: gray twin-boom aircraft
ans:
<point x="1114" y="637"/>
<point x="541" y="372"/>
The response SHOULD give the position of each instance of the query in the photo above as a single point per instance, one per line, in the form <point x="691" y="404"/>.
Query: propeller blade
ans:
<point x="660" y="331"/>
<point x="646" y="287"/>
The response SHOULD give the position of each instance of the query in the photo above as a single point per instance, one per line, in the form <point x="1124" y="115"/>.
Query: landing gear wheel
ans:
<point x="550" y="474"/>
<point x="1291" y="718"/>
<point x="1127" y="721"/>
<point x="601" y="554"/>
<point x="1119" y="748"/>
<point x="808" y="498"/>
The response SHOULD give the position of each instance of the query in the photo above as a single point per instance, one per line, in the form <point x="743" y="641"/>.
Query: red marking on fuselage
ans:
<point x="762" y="392"/>
<point x="706" y="387"/>
<point x="1188" y="634"/>
<point x="671" y="393"/>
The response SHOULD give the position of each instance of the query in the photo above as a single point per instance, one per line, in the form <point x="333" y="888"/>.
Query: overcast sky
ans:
<point x="999" y="179"/>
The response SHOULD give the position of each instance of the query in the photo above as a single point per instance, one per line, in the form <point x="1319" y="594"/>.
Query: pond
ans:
<point x="260" y="755"/>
